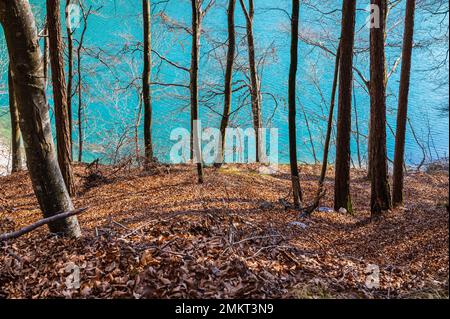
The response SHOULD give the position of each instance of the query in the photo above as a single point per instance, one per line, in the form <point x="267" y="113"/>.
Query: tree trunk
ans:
<point x="16" y="150"/>
<point x="27" y="69"/>
<point x="228" y="77"/>
<point x="402" y="113"/>
<point x="342" y="198"/>
<point x="45" y="57"/>
<point x="330" y="120"/>
<point x="381" y="197"/>
<point x="196" y="32"/>
<point x="255" y="85"/>
<point x="60" y="93"/>
<point x="296" y="189"/>
<point x="320" y="192"/>
<point x="384" y="16"/>
<point x="69" y="77"/>
<point x="80" y="107"/>
<point x="146" y="77"/>
<point x="357" y="134"/>
<point x="80" y="90"/>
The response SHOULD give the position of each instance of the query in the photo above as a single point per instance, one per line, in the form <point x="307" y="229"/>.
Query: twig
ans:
<point x="120" y="225"/>
<point x="158" y="220"/>
<point x="252" y="238"/>
<point x="264" y="248"/>
<point x="257" y="237"/>
<point x="42" y="222"/>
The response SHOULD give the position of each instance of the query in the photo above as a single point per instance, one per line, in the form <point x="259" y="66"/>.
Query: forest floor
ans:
<point x="161" y="235"/>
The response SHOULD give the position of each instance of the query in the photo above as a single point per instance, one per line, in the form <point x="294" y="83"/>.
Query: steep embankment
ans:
<point x="162" y="235"/>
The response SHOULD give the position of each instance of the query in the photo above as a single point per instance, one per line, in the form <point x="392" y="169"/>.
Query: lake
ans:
<point x="112" y="67"/>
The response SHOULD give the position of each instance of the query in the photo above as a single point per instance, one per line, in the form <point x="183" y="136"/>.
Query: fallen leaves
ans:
<point x="162" y="236"/>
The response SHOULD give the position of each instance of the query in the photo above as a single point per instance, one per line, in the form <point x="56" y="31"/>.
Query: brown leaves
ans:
<point x="162" y="236"/>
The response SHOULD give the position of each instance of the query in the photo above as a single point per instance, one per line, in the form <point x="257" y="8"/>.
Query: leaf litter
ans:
<point x="160" y="235"/>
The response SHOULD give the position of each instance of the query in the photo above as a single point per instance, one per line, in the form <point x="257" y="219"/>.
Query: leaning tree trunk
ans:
<point x="146" y="75"/>
<point x="296" y="189"/>
<point x="326" y="149"/>
<point x="255" y="85"/>
<point x="27" y="69"/>
<point x="16" y="150"/>
<point x="323" y="173"/>
<point x="228" y="78"/>
<point x="397" y="187"/>
<point x="69" y="32"/>
<point x="342" y="198"/>
<point x="60" y="93"/>
<point x="195" y="138"/>
<point x="381" y="197"/>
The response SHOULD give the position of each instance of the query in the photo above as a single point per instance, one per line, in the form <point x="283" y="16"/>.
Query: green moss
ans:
<point x="350" y="205"/>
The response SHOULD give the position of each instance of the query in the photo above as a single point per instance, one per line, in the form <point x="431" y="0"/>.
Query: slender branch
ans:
<point x="42" y="222"/>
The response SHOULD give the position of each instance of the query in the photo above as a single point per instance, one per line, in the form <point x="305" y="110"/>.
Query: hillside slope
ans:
<point x="163" y="236"/>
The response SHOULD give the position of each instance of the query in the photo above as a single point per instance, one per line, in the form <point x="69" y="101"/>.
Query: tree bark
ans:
<point x="146" y="77"/>
<point x="402" y="113"/>
<point x="45" y="57"/>
<point x="16" y="147"/>
<point x="323" y="173"/>
<point x="40" y="223"/>
<point x="60" y="93"/>
<point x="255" y="84"/>
<point x="342" y="197"/>
<point x="326" y="150"/>
<point x="80" y="88"/>
<point x="27" y="69"/>
<point x="197" y="16"/>
<point x="381" y="197"/>
<point x="69" y="77"/>
<point x="296" y="189"/>
<point x="80" y="106"/>
<point x="384" y="16"/>
<point x="228" y="77"/>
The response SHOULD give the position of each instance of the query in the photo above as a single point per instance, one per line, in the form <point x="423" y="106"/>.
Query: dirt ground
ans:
<point x="161" y="235"/>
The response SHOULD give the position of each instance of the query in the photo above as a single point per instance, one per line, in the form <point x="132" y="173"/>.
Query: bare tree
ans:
<point x="296" y="189"/>
<point x="402" y="113"/>
<point x="59" y="93"/>
<point x="198" y="13"/>
<point x="342" y="197"/>
<point x="16" y="149"/>
<point x="70" y="49"/>
<point x="228" y="76"/>
<point x="381" y="197"/>
<point x="80" y="82"/>
<point x="320" y="191"/>
<point x="255" y="83"/>
<point x="27" y="69"/>
<point x="146" y="78"/>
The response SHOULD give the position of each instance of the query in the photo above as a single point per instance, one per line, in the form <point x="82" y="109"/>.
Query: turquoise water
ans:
<point x="112" y="102"/>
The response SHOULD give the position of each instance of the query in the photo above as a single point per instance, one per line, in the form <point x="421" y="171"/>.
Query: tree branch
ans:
<point x="42" y="222"/>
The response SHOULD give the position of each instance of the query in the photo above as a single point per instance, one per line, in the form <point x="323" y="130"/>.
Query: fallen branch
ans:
<point x="42" y="222"/>
<point x="307" y="211"/>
